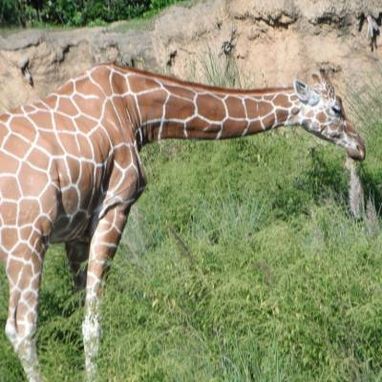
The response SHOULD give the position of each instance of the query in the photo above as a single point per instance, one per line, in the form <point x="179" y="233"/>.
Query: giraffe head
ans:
<point x="321" y="112"/>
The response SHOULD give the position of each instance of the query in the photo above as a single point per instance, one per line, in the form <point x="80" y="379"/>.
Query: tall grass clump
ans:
<point x="365" y="107"/>
<point x="240" y="262"/>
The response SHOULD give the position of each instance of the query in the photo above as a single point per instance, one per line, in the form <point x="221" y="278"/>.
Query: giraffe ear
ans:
<point x="305" y="93"/>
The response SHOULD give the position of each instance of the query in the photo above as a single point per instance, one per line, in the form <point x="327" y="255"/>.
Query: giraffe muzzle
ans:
<point x="359" y="152"/>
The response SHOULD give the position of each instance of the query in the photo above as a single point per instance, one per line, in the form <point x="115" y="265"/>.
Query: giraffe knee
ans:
<point x="24" y="345"/>
<point x="20" y="338"/>
<point x="11" y="332"/>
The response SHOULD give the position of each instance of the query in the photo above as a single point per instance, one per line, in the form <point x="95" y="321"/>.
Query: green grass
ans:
<point x="240" y="262"/>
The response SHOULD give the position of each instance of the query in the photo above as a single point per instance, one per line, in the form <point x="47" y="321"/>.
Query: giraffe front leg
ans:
<point x="24" y="275"/>
<point x="102" y="249"/>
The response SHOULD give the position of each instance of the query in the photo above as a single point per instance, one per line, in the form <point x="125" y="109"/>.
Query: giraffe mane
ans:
<point x="217" y="89"/>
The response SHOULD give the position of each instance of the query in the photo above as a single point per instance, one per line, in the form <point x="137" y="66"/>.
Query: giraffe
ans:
<point x="70" y="171"/>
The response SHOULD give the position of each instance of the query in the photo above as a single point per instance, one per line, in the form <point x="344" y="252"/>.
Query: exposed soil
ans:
<point x="271" y="41"/>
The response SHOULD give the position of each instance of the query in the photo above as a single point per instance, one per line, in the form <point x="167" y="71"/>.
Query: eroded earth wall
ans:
<point x="271" y="41"/>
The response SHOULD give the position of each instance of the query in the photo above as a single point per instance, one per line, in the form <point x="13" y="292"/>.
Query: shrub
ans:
<point x="75" y="12"/>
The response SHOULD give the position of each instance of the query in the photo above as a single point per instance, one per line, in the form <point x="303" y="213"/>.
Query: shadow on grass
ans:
<point x="321" y="179"/>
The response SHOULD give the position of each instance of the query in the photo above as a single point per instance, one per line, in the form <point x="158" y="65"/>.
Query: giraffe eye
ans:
<point x="336" y="109"/>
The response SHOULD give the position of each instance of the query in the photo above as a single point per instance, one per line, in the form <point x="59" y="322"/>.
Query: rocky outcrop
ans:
<point x="271" y="41"/>
<point x="14" y="89"/>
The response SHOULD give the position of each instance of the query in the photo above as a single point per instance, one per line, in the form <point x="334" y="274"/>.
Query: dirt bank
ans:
<point x="272" y="42"/>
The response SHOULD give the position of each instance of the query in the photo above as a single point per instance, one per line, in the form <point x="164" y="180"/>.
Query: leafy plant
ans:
<point x="75" y="12"/>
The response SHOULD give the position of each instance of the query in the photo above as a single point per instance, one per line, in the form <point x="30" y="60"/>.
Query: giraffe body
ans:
<point x="70" y="171"/>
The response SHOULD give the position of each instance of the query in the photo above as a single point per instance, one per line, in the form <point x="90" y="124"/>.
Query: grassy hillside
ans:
<point x="240" y="263"/>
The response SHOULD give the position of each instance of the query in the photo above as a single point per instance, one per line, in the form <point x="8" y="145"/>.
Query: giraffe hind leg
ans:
<point x="24" y="275"/>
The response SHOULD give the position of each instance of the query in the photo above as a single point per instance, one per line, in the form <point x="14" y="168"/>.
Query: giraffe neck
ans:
<point x="163" y="108"/>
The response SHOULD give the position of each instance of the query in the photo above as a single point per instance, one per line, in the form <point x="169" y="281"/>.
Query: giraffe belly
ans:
<point x="80" y="192"/>
<point x="76" y="215"/>
<point x="71" y="227"/>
